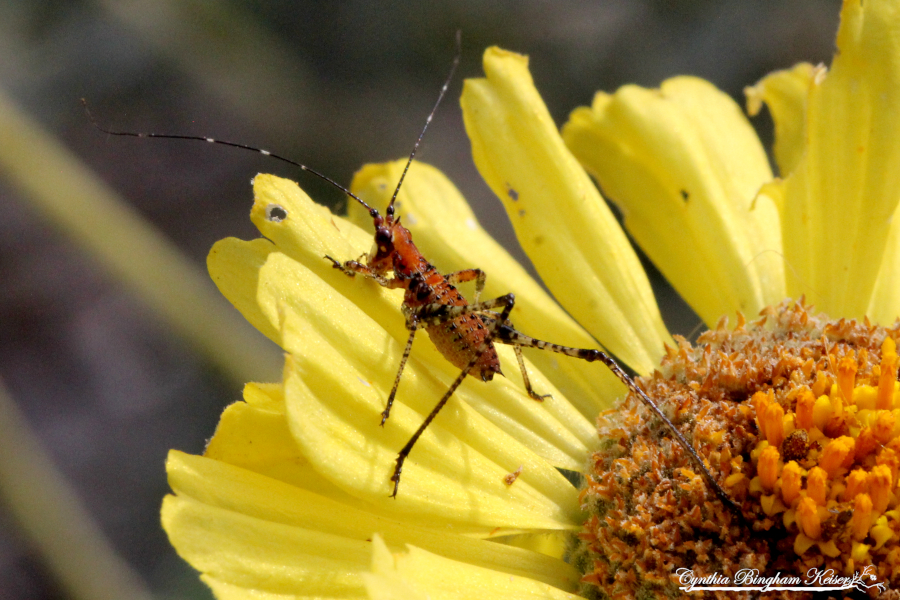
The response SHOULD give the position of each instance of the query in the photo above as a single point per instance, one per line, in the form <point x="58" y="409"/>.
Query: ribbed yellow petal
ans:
<point x="885" y="305"/>
<point x="561" y="221"/>
<point x="227" y="591"/>
<point x="218" y="485"/>
<point x="308" y="232"/>
<point x="420" y="574"/>
<point x="254" y="435"/>
<point x="685" y="166"/>
<point x="262" y="555"/>
<point x="233" y="265"/>
<point x="785" y="93"/>
<point x="554" y="428"/>
<point x="257" y="438"/>
<point x="335" y="390"/>
<point x="447" y="233"/>
<point x="840" y="199"/>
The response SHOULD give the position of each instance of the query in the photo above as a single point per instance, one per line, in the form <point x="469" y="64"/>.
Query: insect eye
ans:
<point x="382" y="237"/>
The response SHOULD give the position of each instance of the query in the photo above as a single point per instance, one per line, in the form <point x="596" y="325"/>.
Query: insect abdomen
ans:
<point x="457" y="339"/>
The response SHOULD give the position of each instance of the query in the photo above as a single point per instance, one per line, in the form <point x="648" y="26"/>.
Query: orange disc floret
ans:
<point x="791" y="480"/>
<point x="883" y="426"/>
<point x="794" y="414"/>
<point x="889" y="458"/>
<point x="857" y="483"/>
<point x="846" y="376"/>
<point x="836" y="453"/>
<point x="767" y="467"/>
<point x="805" y="402"/>
<point x="865" y="443"/>
<point x="880" y="486"/>
<point x="862" y="517"/>
<point x="773" y="421"/>
<point x="817" y="486"/>
<point x="808" y="517"/>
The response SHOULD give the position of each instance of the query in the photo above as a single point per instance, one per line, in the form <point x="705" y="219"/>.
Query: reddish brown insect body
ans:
<point x="457" y="339"/>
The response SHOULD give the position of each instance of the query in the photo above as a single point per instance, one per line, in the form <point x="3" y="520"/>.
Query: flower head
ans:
<point x="795" y="414"/>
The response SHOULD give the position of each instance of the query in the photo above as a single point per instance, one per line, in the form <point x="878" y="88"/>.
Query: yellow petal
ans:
<point x="258" y="439"/>
<point x="308" y="232"/>
<point x="233" y="265"/>
<point x="553" y="428"/>
<point x="785" y="93"/>
<point x="454" y="474"/>
<point x="222" y="486"/>
<point x="448" y="234"/>
<point x="840" y="199"/>
<point x="227" y="591"/>
<point x="685" y="166"/>
<point x="420" y="574"/>
<point x="254" y="435"/>
<point x="563" y="224"/>
<point x="885" y="305"/>
<point x="262" y="555"/>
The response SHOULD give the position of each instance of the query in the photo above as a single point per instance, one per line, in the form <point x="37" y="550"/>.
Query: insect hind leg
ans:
<point x="505" y="334"/>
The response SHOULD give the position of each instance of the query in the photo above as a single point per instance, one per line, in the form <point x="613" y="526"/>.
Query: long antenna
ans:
<point x="168" y="136"/>
<point x="412" y="155"/>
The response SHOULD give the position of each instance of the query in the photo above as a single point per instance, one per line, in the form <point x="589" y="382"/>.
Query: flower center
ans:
<point x="798" y="418"/>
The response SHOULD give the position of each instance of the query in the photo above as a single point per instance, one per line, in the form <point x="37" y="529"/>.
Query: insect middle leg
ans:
<point x="469" y="275"/>
<point x="521" y="360"/>
<point x="412" y="321"/>
<point x="430" y="315"/>
<point x="446" y="313"/>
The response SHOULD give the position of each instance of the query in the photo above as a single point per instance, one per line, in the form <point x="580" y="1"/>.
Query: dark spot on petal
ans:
<point x="521" y="212"/>
<point x="276" y="213"/>
<point x="684" y="195"/>
<point x="513" y="194"/>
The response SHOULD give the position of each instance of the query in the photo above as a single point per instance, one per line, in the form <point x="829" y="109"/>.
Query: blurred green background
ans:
<point x="103" y="380"/>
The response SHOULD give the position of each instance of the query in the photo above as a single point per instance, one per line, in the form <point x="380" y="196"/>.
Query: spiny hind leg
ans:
<point x="507" y="302"/>
<point x="505" y="334"/>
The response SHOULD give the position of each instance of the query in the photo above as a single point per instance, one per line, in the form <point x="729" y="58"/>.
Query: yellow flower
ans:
<point x="291" y="498"/>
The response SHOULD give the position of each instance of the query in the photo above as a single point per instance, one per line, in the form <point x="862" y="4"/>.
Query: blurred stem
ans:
<point x="58" y="525"/>
<point x="96" y="218"/>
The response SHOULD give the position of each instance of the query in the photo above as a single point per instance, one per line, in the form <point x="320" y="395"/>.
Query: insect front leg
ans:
<point x="507" y="303"/>
<point x="353" y="267"/>
<point x="412" y="323"/>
